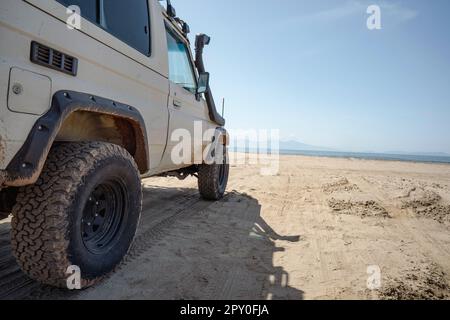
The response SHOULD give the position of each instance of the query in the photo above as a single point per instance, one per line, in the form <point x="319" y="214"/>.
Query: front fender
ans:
<point x="26" y="166"/>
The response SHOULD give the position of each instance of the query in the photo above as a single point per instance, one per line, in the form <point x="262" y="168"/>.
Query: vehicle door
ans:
<point x="187" y="108"/>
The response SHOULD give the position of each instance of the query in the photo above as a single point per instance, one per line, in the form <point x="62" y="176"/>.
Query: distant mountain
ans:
<point x="287" y="145"/>
<point x="293" y="145"/>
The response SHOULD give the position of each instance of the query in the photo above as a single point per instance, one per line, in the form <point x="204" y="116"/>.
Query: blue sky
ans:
<point x="313" y="70"/>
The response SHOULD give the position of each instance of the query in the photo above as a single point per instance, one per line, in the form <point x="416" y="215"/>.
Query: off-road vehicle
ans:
<point x="87" y="111"/>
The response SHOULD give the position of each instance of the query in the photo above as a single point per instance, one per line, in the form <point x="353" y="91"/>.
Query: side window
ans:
<point x="89" y="8"/>
<point x="126" y="20"/>
<point x="180" y="67"/>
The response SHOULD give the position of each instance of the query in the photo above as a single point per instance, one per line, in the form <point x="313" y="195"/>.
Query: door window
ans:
<point x="180" y="66"/>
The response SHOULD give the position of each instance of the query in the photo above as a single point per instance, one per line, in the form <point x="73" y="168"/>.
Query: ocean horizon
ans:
<point x="358" y="155"/>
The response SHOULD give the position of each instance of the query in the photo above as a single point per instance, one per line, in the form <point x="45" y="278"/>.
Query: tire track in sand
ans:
<point x="158" y="214"/>
<point x="411" y="226"/>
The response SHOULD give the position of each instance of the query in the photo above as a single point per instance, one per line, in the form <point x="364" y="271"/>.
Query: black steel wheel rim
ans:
<point x="104" y="216"/>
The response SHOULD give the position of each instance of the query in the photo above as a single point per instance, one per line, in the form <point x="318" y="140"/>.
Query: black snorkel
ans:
<point x="201" y="41"/>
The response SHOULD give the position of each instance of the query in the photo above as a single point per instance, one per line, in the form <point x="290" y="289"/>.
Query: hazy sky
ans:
<point x="313" y="70"/>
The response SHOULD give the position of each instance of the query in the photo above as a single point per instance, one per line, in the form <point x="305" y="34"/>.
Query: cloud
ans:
<point x="394" y="11"/>
<point x="349" y="8"/>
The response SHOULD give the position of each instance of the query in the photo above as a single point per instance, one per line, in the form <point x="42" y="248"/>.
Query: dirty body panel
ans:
<point x="101" y="67"/>
<point x="107" y="67"/>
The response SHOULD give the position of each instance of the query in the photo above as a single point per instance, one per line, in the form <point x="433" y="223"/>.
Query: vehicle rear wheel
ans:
<point x="213" y="179"/>
<point x="83" y="211"/>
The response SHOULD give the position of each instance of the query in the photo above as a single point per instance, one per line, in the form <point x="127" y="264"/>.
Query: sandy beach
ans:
<point x="310" y="232"/>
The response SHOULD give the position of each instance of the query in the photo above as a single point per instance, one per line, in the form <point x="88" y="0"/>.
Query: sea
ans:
<point x="366" y="156"/>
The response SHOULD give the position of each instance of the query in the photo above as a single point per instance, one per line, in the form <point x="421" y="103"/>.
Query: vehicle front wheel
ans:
<point x="83" y="211"/>
<point x="213" y="179"/>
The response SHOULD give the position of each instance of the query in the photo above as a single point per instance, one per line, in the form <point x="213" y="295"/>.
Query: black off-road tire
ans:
<point x="213" y="179"/>
<point x="49" y="229"/>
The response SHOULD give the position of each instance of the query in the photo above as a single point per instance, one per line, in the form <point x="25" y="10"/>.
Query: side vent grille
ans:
<point x="51" y="58"/>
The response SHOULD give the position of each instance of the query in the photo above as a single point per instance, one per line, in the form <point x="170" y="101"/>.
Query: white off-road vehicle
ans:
<point x="86" y="112"/>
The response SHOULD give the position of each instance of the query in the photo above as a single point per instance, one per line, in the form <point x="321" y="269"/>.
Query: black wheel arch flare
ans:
<point x="27" y="164"/>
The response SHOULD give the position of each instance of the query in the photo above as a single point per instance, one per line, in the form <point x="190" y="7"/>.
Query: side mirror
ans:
<point x="186" y="28"/>
<point x="203" y="82"/>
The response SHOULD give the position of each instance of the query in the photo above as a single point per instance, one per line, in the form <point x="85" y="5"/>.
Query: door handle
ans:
<point x="177" y="103"/>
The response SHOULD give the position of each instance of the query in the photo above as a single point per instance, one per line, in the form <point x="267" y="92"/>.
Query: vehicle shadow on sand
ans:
<point x="186" y="248"/>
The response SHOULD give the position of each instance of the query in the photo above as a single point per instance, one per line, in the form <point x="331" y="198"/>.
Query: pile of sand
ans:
<point x="427" y="204"/>
<point x="341" y="185"/>
<point x="363" y="209"/>
<point x="420" y="283"/>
